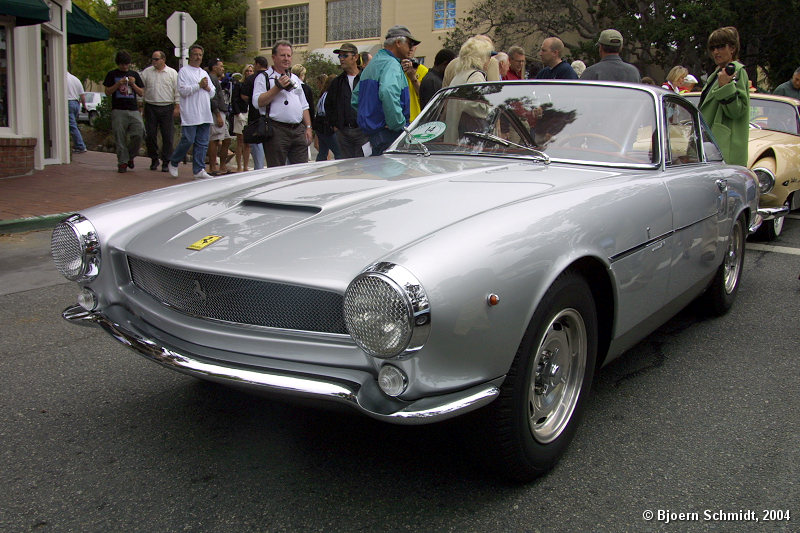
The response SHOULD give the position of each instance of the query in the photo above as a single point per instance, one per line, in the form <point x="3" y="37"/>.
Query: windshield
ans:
<point x="575" y="122"/>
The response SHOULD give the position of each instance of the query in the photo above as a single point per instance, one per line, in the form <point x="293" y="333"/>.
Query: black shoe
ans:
<point x="154" y="164"/>
<point x="165" y="166"/>
<point x="122" y="168"/>
<point x="130" y="164"/>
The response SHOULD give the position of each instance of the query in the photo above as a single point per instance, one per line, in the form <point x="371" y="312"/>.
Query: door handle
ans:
<point x="722" y="184"/>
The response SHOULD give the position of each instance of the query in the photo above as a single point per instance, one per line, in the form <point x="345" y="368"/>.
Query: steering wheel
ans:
<point x="565" y="140"/>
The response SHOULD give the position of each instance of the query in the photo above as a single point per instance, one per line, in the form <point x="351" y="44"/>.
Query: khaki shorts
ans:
<point x="219" y="133"/>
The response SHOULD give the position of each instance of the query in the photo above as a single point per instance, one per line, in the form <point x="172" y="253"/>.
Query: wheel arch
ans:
<point x="597" y="276"/>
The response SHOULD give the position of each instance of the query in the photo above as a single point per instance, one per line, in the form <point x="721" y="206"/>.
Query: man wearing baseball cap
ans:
<point x="381" y="96"/>
<point x="341" y="115"/>
<point x="611" y="67"/>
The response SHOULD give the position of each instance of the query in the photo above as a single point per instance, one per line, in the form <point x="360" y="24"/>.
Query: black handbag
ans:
<point x="257" y="131"/>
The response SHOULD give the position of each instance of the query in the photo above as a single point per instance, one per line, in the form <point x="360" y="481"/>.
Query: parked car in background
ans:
<point x="89" y="112"/>
<point x="773" y="154"/>
<point x="519" y="236"/>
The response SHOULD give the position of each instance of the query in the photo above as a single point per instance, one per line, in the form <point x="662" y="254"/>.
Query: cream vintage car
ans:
<point x="774" y="155"/>
<point x="518" y="237"/>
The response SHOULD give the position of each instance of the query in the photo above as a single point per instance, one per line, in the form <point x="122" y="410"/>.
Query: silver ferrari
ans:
<point x="515" y="238"/>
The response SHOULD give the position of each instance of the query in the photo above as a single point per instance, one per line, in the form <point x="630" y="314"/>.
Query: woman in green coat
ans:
<point x="725" y="101"/>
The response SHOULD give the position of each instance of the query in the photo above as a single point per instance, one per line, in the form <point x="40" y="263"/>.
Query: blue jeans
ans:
<point x="257" y="151"/>
<point x="196" y="136"/>
<point x="77" y="139"/>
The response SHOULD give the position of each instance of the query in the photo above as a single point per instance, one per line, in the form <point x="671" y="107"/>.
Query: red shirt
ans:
<point x="511" y="75"/>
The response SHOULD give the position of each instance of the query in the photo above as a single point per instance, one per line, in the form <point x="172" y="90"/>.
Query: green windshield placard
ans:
<point x="428" y="131"/>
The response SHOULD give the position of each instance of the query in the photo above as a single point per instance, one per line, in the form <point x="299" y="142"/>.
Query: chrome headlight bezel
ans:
<point x="766" y="179"/>
<point x="75" y="249"/>
<point x="404" y="297"/>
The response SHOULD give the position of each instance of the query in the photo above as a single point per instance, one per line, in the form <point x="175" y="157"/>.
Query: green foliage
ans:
<point x="103" y="120"/>
<point x="220" y="29"/>
<point x="91" y="60"/>
<point x="317" y="64"/>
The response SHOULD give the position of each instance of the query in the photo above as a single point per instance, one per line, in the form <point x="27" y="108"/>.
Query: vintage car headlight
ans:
<point x="386" y="311"/>
<point x="75" y="249"/>
<point x="766" y="179"/>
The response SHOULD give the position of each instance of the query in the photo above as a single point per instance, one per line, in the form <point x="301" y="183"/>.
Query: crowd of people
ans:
<point x="362" y="110"/>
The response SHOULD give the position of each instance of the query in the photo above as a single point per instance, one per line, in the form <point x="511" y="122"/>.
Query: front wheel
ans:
<point x="720" y="295"/>
<point x="545" y="392"/>
<point x="92" y="117"/>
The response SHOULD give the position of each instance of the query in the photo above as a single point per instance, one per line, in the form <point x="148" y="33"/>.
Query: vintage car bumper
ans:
<point x="766" y="213"/>
<point x="359" y="392"/>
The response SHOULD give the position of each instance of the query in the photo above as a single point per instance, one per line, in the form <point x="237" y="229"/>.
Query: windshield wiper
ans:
<point x="505" y="142"/>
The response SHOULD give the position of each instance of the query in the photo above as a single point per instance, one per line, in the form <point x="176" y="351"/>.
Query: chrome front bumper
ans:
<point x="364" y="396"/>
<point x="766" y="213"/>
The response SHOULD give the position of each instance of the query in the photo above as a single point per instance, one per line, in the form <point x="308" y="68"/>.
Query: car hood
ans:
<point x="322" y="223"/>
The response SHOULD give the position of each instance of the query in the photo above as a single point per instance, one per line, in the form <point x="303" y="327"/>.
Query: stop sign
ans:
<point x="181" y="27"/>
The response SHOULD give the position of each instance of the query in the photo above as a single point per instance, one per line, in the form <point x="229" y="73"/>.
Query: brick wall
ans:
<point x="16" y="156"/>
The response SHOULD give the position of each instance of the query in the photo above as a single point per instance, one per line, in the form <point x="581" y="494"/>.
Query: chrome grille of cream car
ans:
<point x="240" y="300"/>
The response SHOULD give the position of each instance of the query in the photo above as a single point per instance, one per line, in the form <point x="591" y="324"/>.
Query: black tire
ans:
<point x="544" y="394"/>
<point x="92" y="117"/>
<point x="721" y="294"/>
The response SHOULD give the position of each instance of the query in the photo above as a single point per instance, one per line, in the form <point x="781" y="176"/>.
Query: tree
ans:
<point x="317" y="64"/>
<point x="220" y="29"/>
<point x="91" y="61"/>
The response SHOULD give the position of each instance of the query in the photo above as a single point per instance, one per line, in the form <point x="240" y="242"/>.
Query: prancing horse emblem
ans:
<point x="198" y="290"/>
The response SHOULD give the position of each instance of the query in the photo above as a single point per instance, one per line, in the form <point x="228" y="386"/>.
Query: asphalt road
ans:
<point x="701" y="417"/>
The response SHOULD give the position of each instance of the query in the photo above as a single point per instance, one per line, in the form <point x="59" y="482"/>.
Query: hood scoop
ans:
<point x="279" y="207"/>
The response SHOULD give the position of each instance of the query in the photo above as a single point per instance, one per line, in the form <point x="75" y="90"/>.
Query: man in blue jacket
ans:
<point x="381" y="96"/>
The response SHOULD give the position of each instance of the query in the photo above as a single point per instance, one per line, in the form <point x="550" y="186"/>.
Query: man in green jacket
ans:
<point x="725" y="101"/>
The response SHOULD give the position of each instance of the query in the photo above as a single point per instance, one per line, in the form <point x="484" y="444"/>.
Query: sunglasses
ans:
<point x="716" y="46"/>
<point x="344" y="55"/>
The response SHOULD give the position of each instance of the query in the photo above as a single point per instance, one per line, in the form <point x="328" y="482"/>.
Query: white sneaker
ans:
<point x="202" y="175"/>
<point x="173" y="171"/>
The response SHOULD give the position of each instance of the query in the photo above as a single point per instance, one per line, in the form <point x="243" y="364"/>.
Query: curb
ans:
<point x="32" y="223"/>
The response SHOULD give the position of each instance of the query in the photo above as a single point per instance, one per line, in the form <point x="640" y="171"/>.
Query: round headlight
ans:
<point x="75" y="249"/>
<point x="386" y="311"/>
<point x="766" y="179"/>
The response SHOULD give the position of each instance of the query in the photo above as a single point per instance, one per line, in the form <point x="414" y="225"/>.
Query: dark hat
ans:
<point x="346" y="47"/>
<point x="401" y="31"/>
<point x="610" y="38"/>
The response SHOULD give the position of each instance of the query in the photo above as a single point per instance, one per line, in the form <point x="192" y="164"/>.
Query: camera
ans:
<point x="730" y="69"/>
<point x="414" y="62"/>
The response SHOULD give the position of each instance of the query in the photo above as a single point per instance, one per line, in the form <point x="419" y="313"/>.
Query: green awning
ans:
<point x="82" y="28"/>
<point x="28" y="12"/>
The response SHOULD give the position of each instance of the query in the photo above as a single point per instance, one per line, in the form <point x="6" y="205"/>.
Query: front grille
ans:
<point x="240" y="300"/>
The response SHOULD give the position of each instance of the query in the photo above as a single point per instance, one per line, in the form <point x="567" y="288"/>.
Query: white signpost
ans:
<point x="182" y="31"/>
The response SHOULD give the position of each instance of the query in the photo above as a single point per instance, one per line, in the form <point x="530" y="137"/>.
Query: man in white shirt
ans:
<point x="161" y="108"/>
<point x="75" y="100"/>
<point x="196" y="90"/>
<point x="287" y="106"/>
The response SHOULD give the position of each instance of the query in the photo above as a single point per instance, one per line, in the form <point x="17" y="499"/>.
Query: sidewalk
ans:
<point x="43" y="198"/>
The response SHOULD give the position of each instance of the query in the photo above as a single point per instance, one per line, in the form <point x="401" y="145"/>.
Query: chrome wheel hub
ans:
<point x="733" y="261"/>
<point x="557" y="375"/>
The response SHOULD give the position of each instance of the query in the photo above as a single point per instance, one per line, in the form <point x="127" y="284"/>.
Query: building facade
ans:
<point x="321" y="25"/>
<point x="34" y="124"/>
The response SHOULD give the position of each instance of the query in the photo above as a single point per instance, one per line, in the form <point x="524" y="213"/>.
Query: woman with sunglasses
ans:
<point x="725" y="101"/>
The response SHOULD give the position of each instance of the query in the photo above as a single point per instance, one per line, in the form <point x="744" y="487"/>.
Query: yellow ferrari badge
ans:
<point x="205" y="241"/>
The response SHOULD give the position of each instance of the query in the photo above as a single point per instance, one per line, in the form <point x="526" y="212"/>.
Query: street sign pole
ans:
<point x="182" y="31"/>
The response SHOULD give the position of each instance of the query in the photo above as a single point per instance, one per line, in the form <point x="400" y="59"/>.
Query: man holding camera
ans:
<point x="286" y="107"/>
<point x="123" y="85"/>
